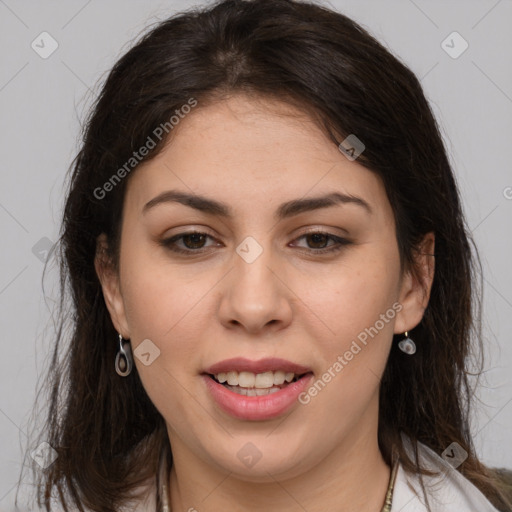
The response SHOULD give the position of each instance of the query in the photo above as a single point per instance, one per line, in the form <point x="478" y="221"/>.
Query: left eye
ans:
<point x="321" y="238"/>
<point x="194" y="241"/>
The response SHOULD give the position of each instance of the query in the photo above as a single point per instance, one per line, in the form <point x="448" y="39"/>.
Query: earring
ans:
<point x="407" y="345"/>
<point x="124" y="360"/>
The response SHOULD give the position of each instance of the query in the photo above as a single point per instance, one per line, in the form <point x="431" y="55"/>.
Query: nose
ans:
<point x="255" y="297"/>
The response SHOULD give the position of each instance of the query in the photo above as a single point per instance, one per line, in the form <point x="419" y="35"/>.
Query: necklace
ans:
<point x="163" y="501"/>
<point x="391" y="486"/>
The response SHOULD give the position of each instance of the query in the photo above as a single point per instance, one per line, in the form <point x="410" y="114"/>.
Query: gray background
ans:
<point x="43" y="100"/>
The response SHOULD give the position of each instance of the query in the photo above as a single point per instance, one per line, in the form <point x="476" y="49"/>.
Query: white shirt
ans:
<point x="450" y="491"/>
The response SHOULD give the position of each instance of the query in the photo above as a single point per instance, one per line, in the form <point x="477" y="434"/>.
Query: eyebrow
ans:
<point x="285" y="210"/>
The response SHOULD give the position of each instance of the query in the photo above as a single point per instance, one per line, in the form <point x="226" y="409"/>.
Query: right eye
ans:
<point x="193" y="242"/>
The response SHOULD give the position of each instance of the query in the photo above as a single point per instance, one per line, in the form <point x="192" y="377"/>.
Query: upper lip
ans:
<point x="241" y="364"/>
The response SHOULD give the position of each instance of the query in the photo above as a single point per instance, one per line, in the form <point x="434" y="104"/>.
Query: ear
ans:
<point x="109" y="280"/>
<point x="416" y="286"/>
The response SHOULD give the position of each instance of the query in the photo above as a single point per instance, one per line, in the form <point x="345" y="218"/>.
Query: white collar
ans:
<point x="449" y="491"/>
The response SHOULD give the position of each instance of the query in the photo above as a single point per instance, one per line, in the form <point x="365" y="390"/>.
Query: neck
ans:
<point x="353" y="477"/>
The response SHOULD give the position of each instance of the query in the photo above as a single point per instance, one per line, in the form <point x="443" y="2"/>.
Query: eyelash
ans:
<point x="169" y="243"/>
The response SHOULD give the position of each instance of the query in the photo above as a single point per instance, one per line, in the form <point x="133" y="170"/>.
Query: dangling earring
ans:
<point x="407" y="345"/>
<point x="124" y="360"/>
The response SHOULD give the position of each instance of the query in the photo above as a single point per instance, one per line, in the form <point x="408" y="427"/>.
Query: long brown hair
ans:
<point x="104" y="428"/>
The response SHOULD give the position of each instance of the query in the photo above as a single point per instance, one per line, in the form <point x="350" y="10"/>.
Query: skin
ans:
<point x="198" y="309"/>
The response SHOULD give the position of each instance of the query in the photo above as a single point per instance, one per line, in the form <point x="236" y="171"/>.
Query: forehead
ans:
<point x="246" y="151"/>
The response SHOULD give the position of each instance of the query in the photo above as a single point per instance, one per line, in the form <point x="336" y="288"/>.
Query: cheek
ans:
<point x="171" y="316"/>
<point x="161" y="309"/>
<point x="351" y="296"/>
<point x="163" y="306"/>
<point x="354" y="352"/>
<point x="158" y="296"/>
<point x="356" y="304"/>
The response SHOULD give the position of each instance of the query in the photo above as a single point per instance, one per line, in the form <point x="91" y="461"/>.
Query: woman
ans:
<point x="271" y="278"/>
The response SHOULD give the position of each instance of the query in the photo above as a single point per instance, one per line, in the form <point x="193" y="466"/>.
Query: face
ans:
<point x="275" y="282"/>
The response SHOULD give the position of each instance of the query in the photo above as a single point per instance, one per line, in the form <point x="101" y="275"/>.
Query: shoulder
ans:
<point x="447" y="491"/>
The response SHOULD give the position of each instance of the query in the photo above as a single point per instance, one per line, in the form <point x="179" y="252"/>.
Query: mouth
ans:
<point x="256" y="384"/>
<point x="256" y="390"/>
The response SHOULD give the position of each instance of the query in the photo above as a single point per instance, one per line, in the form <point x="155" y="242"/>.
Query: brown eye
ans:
<point x="195" y="242"/>
<point x="192" y="242"/>
<point x="318" y="242"/>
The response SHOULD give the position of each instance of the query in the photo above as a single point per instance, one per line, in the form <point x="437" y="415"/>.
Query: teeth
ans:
<point x="253" y="391"/>
<point x="232" y="378"/>
<point x="246" y="380"/>
<point x="289" y="377"/>
<point x="249" y="380"/>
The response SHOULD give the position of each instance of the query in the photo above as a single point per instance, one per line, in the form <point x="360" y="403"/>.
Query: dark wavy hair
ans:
<point x="105" y="430"/>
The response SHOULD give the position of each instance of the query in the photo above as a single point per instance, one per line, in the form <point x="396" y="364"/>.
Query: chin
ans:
<point x="259" y="460"/>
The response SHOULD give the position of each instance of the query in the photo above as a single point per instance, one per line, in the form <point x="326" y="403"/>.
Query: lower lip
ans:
<point x="257" y="407"/>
